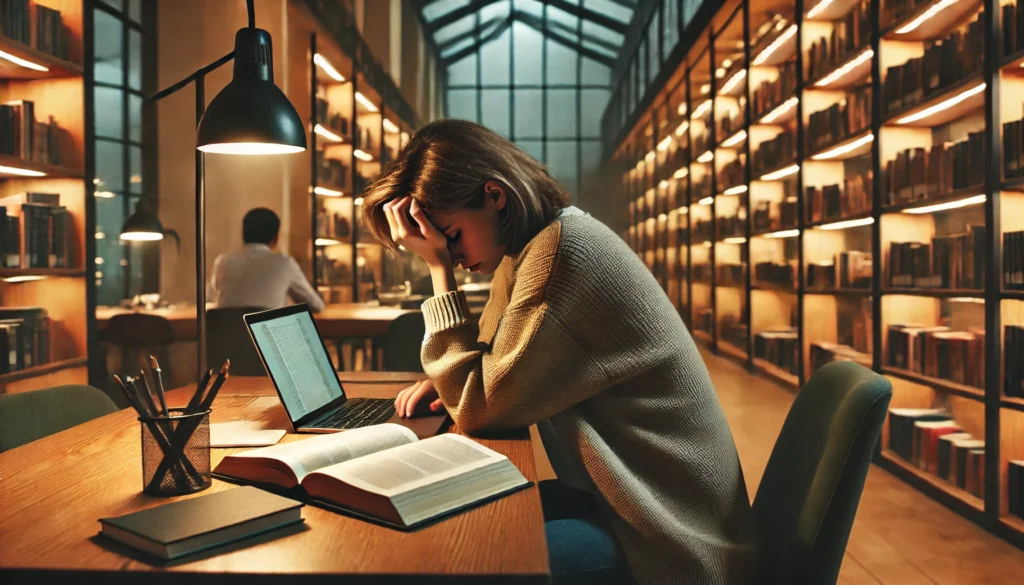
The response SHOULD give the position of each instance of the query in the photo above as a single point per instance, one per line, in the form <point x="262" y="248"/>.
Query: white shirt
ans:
<point x="256" y="276"/>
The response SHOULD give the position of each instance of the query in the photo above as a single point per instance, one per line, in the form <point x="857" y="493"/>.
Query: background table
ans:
<point x="53" y="491"/>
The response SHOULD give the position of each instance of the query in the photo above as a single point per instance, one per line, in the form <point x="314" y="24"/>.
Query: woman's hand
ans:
<point x="419" y="236"/>
<point x="419" y="399"/>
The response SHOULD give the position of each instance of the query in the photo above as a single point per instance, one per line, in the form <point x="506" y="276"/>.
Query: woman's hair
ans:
<point x="445" y="166"/>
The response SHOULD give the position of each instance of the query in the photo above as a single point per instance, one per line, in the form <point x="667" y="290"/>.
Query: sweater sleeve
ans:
<point x="534" y="368"/>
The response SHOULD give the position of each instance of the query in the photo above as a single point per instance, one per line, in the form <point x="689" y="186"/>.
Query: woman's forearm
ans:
<point x="443" y="277"/>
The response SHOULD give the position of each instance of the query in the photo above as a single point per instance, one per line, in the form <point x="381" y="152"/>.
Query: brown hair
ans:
<point x="444" y="168"/>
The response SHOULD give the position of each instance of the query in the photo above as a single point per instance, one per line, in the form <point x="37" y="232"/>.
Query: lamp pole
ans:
<point x="200" y="235"/>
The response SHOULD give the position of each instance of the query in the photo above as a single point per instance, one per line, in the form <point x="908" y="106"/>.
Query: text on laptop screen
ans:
<point x="298" y="362"/>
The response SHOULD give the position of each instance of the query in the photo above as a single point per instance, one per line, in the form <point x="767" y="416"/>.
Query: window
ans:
<point x="119" y="147"/>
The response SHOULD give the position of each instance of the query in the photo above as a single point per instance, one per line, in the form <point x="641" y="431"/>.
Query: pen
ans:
<point x="198" y="394"/>
<point x="158" y="379"/>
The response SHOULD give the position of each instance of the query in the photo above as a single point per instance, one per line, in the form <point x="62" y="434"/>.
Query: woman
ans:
<point x="577" y="338"/>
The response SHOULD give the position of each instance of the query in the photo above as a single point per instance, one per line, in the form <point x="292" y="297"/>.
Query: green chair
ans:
<point x="27" y="416"/>
<point x="808" y="497"/>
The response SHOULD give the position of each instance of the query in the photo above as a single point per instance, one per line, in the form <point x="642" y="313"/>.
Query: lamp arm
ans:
<point x="252" y="13"/>
<point x="199" y="73"/>
<point x="177" y="239"/>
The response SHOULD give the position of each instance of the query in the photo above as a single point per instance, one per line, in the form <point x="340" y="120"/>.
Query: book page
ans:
<point x="410" y="466"/>
<point x="325" y="450"/>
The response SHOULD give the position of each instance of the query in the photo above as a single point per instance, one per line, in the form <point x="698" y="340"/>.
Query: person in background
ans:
<point x="256" y="275"/>
<point x="578" y="338"/>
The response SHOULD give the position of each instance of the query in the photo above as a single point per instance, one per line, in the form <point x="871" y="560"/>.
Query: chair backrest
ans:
<point x="401" y="344"/>
<point x="139" y="330"/>
<point x="227" y="337"/>
<point x="808" y="496"/>
<point x="27" y="416"/>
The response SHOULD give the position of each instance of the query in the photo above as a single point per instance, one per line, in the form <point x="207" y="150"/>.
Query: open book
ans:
<point x="382" y="472"/>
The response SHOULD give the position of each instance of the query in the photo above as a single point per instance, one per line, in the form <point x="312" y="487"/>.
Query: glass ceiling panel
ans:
<point x="441" y="7"/>
<point x="610" y="8"/>
<point x="457" y="28"/>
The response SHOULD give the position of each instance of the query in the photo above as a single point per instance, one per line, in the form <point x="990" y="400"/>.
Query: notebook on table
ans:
<point x="382" y="473"/>
<point x="185" y="527"/>
<point x="294" y="355"/>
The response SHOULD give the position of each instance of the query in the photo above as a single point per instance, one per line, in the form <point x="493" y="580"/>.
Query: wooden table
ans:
<point x="53" y="491"/>
<point x="335" y="322"/>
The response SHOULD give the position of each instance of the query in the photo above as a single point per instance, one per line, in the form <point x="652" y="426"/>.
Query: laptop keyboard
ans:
<point x="359" y="412"/>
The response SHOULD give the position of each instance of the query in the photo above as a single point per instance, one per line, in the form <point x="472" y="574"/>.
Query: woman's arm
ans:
<point x="534" y="368"/>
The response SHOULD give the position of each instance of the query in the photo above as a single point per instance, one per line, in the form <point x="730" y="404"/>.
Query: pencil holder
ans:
<point x="175" y="453"/>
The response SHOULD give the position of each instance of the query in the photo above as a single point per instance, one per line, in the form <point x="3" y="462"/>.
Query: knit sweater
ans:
<point x="577" y="333"/>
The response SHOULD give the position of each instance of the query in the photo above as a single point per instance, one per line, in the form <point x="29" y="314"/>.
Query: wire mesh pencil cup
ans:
<point x="175" y="453"/>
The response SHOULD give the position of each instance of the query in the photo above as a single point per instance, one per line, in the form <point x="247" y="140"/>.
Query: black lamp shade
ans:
<point x="142" y="227"/>
<point x="251" y="115"/>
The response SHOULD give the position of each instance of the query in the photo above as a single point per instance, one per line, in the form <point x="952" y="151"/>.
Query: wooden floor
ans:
<point x="900" y="537"/>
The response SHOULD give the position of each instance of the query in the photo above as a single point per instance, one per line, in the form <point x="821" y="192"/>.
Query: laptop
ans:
<point x="294" y="355"/>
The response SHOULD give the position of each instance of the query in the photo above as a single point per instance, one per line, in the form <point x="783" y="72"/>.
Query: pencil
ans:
<point x="158" y="380"/>
<point x="222" y="376"/>
<point x="197" y="396"/>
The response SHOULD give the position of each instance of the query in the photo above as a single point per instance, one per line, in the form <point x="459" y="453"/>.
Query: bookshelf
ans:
<point x="847" y="186"/>
<point x="44" y="191"/>
<point x="353" y="133"/>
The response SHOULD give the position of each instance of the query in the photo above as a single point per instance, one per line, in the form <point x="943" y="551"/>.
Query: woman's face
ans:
<point x="473" y="234"/>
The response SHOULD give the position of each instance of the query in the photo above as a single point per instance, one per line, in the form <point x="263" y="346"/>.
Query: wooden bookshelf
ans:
<point x="843" y="320"/>
<point x="59" y="92"/>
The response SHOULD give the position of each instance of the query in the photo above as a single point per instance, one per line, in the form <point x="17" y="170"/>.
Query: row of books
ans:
<point x="731" y="174"/>
<point x="1013" y="360"/>
<point x="780" y="348"/>
<point x="23" y="136"/>
<point x="1013" y="29"/>
<point x="332" y="225"/>
<point x="839" y="201"/>
<point x="701" y="140"/>
<point x="932" y="441"/>
<point x="782" y="274"/>
<point x="702" y="230"/>
<point x="944" y="63"/>
<point x="893" y="11"/>
<point x="771" y="94"/>
<point x="849" y="35"/>
<point x="939" y="352"/>
<point x="734" y="331"/>
<point x="24" y="338"/>
<point x="1013" y="149"/>
<point x="1015" y="488"/>
<point x="727" y="126"/>
<point x="949" y="262"/>
<point x="730" y="226"/>
<point x="702" y="272"/>
<point x="35" y="231"/>
<point x="1013" y="260"/>
<point x="700" y="188"/>
<point x="840" y="120"/>
<point x="34" y="25"/>
<point x="729" y="274"/>
<point x="331" y="172"/>
<point x="330" y="119"/>
<point x="774" y="153"/>
<point x="917" y="174"/>
<point x="363" y="137"/>
<point x="775" y="215"/>
<point x="822" y="353"/>
<point x="846" y="270"/>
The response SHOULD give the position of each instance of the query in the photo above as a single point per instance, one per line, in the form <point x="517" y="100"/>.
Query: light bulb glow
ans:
<point x="105" y="194"/>
<point x="975" y="200"/>
<point x="325" y="192"/>
<point x="329" y="69"/>
<point x="326" y="242"/>
<point x="250" y="148"/>
<point x="681" y="173"/>
<point x="850" y="223"/>
<point x="943" y="105"/>
<point x="781" y="173"/>
<point x="142" y="236"/>
<point x="22" y="62"/>
<point x="365" y="102"/>
<point x="682" y="128"/>
<point x="845" y="148"/>
<point x="363" y="156"/>
<point x="775" y="45"/>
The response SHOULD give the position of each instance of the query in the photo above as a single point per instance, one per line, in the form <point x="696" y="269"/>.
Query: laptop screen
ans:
<point x="297" y="361"/>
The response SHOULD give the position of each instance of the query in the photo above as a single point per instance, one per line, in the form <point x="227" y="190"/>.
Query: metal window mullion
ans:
<point x="126" y="269"/>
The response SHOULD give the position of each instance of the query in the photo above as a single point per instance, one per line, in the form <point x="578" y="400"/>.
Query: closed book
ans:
<point x="1015" y="488"/>
<point x="185" y="527"/>
<point x="945" y="453"/>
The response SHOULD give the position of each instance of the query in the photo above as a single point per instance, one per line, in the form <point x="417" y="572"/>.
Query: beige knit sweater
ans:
<point x="577" y="332"/>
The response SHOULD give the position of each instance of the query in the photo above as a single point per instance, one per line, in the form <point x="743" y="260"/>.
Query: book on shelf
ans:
<point x="332" y="225"/>
<point x="331" y="172"/>
<point x="840" y="120"/>
<point x="24" y="338"/>
<point x="849" y="35"/>
<point x="774" y="153"/>
<point x="730" y="274"/>
<point x="838" y="201"/>
<point x="944" y="63"/>
<point x="779" y="348"/>
<point x="330" y="119"/>
<point x="932" y="441"/>
<point x="1013" y="150"/>
<point x="381" y="472"/>
<point x="822" y="353"/>
<point x="730" y="226"/>
<point x="34" y="25"/>
<point x="37" y="231"/>
<point x="1015" y="488"/>
<point x="949" y="262"/>
<point x="734" y="332"/>
<point x="1013" y="29"/>
<point x="731" y="174"/>
<point x="22" y="136"/>
<point x="1013" y="260"/>
<point x="919" y="174"/>
<point x="772" y="94"/>
<point x="1013" y="360"/>
<point x="782" y="274"/>
<point x="939" y="352"/>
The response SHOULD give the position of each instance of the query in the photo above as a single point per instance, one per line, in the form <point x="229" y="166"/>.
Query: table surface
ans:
<point x="335" y="321"/>
<point x="53" y="491"/>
